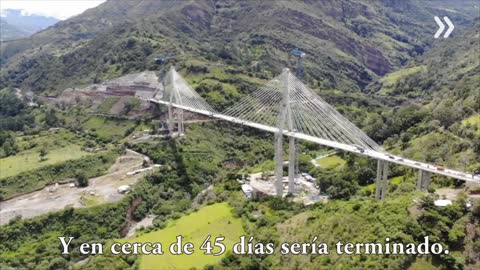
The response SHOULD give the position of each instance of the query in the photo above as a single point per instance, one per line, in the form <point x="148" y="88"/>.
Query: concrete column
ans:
<point x="179" y="112"/>
<point x="282" y="116"/>
<point x="381" y="184"/>
<point x="181" y="129"/>
<point x="170" y="108"/>
<point x="423" y="182"/>
<point x="385" y="180"/>
<point x="379" y="179"/>
<point x="279" y="163"/>
<point x="291" y="165"/>
<point x="426" y="183"/>
<point x="420" y="180"/>
<point x="170" y="120"/>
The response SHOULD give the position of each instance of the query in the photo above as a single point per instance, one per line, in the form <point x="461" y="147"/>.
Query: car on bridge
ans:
<point x="359" y="148"/>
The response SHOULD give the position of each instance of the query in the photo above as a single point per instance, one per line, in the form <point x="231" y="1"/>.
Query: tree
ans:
<point x="82" y="180"/>
<point x="9" y="148"/>
<point x="43" y="154"/>
<point x="476" y="210"/>
<point x="365" y="176"/>
<point x="129" y="106"/>
<point x="465" y="161"/>
<point x="51" y="118"/>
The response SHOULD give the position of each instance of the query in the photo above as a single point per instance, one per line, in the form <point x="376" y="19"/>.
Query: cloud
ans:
<point x="61" y="9"/>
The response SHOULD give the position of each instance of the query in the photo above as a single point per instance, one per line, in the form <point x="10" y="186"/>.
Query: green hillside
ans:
<point x="375" y="61"/>
<point x="442" y="89"/>
<point x="214" y="218"/>
<point x="348" y="43"/>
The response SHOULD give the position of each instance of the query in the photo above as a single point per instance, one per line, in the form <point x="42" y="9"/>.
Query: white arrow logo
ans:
<point x="442" y="27"/>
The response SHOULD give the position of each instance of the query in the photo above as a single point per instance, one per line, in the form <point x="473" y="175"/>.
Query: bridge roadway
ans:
<point x="354" y="149"/>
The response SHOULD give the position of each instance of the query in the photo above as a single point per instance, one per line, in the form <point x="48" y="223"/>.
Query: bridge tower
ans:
<point x="175" y="115"/>
<point x="285" y="117"/>
<point x="300" y="54"/>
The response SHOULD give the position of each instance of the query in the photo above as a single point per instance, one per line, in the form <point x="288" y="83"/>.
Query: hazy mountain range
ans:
<point x="16" y="24"/>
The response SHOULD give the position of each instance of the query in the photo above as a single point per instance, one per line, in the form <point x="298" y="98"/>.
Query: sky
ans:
<point x="60" y="9"/>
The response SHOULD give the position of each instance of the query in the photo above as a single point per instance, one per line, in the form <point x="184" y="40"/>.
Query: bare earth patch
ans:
<point x="100" y="190"/>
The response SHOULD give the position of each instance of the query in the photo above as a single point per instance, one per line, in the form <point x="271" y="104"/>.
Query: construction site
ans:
<point x="127" y="170"/>
<point x="306" y="191"/>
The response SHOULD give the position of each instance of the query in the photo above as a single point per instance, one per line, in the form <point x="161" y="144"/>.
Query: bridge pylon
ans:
<point x="285" y="117"/>
<point x="175" y="115"/>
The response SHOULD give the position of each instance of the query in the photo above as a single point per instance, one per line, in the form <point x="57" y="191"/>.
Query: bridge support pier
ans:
<point x="291" y="165"/>
<point x="180" y="126"/>
<point x="423" y="182"/>
<point x="170" y="120"/>
<point x="175" y="118"/>
<point x="279" y="164"/>
<point x="382" y="180"/>
<point x="285" y="116"/>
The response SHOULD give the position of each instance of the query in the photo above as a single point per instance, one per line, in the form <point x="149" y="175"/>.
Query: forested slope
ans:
<point x="348" y="43"/>
<point x="438" y="119"/>
<point x="376" y="61"/>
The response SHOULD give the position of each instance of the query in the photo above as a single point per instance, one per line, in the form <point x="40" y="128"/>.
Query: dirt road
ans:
<point x="101" y="189"/>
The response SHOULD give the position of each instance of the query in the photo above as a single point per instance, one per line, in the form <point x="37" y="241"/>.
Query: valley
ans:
<point x="89" y="147"/>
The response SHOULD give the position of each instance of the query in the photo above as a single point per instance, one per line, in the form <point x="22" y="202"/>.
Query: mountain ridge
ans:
<point x="16" y="24"/>
<point x="364" y="40"/>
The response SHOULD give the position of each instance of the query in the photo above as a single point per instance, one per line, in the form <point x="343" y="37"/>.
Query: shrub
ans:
<point x="82" y="179"/>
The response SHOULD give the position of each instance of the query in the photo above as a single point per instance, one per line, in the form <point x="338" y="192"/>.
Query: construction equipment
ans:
<point x="300" y="55"/>
<point x="163" y="59"/>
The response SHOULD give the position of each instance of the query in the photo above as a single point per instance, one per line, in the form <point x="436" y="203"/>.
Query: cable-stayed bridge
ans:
<point x="288" y="108"/>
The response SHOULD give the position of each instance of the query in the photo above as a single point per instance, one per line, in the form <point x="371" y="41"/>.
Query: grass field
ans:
<point x="215" y="73"/>
<point x="422" y="264"/>
<point x="473" y="120"/>
<point x="395" y="180"/>
<point x="107" y="128"/>
<point x="30" y="160"/>
<point x="107" y="104"/>
<point x="60" y="146"/>
<point x="215" y="220"/>
<point x="89" y="200"/>
<point x="392" y="78"/>
<point x="330" y="162"/>
<point x="268" y="165"/>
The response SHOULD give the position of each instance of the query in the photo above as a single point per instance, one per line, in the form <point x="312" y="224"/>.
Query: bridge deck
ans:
<point x="366" y="152"/>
